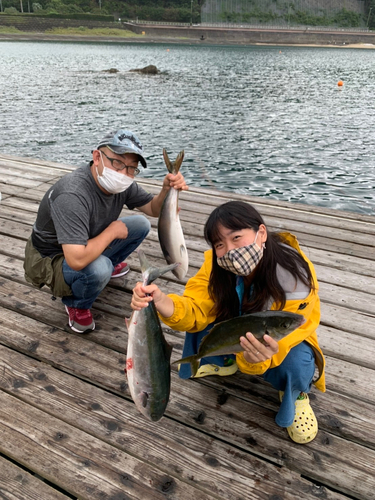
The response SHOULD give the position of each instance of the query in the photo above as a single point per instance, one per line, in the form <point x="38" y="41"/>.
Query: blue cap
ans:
<point x="123" y="141"/>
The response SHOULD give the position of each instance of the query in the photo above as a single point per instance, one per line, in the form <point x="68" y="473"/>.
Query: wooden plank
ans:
<point x="233" y="413"/>
<point x="79" y="463"/>
<point x="340" y="319"/>
<point x="17" y="215"/>
<point x="252" y="430"/>
<point x="53" y="349"/>
<point x="217" y="197"/>
<point x="325" y="262"/>
<point x="112" y="296"/>
<point x="46" y="172"/>
<point x="17" y="484"/>
<point x="216" y="466"/>
<point x="151" y="246"/>
<point x="334" y="260"/>
<point x="36" y="163"/>
<point x="21" y="181"/>
<point x="350" y="321"/>
<point x="65" y="350"/>
<point x="49" y="340"/>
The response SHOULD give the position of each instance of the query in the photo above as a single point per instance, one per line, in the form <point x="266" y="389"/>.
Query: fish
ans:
<point x="148" y="355"/>
<point x="224" y="337"/>
<point x="171" y="237"/>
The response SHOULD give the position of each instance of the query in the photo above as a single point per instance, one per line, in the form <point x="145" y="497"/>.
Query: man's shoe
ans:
<point x="120" y="270"/>
<point x="80" y="320"/>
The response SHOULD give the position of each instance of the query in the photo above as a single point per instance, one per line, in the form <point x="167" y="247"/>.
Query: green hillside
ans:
<point x="339" y="13"/>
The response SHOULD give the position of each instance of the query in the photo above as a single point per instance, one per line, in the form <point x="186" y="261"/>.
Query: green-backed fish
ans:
<point x="224" y="337"/>
<point x="170" y="233"/>
<point x="148" y="354"/>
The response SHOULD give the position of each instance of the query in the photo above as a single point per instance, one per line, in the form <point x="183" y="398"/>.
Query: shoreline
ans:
<point x="45" y="37"/>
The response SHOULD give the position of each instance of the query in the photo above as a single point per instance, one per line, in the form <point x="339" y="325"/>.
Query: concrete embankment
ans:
<point x="34" y="28"/>
<point x="247" y="36"/>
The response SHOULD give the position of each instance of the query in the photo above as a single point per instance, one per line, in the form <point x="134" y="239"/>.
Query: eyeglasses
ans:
<point x="120" y="166"/>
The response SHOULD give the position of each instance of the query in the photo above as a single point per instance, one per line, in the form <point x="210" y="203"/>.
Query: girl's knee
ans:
<point x="300" y="361"/>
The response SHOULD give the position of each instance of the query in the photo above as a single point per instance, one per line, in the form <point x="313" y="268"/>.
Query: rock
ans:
<point x="111" y="70"/>
<point x="148" y="70"/>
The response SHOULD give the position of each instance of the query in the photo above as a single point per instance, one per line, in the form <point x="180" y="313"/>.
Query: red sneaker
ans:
<point x="80" y="320"/>
<point x="120" y="270"/>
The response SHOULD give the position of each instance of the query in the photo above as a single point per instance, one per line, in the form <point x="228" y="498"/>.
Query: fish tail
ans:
<point x="194" y="363"/>
<point x="194" y="367"/>
<point x="151" y="273"/>
<point x="173" y="167"/>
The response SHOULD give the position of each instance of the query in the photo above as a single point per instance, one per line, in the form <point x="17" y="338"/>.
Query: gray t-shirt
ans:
<point x="75" y="210"/>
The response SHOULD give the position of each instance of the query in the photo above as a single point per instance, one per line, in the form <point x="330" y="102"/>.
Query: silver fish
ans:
<point x="148" y="353"/>
<point x="224" y="337"/>
<point x="170" y="233"/>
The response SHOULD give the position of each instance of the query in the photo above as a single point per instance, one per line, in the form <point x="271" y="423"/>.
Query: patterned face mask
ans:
<point x="242" y="261"/>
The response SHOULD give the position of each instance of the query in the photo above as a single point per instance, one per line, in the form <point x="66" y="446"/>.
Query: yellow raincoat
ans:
<point x="193" y="311"/>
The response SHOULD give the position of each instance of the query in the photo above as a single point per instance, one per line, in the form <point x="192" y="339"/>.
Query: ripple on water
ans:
<point x="251" y="120"/>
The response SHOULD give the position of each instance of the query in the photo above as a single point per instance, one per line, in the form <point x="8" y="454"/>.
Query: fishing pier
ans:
<point x="69" y="428"/>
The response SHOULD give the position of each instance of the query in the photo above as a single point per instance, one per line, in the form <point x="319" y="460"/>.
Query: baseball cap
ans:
<point x="123" y="141"/>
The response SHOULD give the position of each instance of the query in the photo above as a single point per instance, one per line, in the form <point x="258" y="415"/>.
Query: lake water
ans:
<point x="263" y="121"/>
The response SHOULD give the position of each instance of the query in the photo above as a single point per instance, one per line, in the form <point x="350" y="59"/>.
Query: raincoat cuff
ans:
<point x="251" y="368"/>
<point x="178" y="313"/>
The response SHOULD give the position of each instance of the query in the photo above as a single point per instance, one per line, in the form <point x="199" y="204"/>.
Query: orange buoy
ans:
<point x="340" y="83"/>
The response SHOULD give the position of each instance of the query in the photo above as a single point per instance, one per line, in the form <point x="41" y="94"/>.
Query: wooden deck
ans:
<point x="69" y="429"/>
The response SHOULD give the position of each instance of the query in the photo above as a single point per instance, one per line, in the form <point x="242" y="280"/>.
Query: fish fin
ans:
<point x="194" y="367"/>
<point x="167" y="161"/>
<point x="149" y="272"/>
<point x="174" y="167"/>
<point x="194" y="363"/>
<point x="144" y="399"/>
<point x="178" y="161"/>
<point x="169" y="349"/>
<point x="188" y="359"/>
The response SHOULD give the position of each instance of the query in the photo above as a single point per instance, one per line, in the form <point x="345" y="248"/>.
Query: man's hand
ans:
<point x="175" y="181"/>
<point x="170" y="181"/>
<point x="119" y="230"/>
<point x="79" y="256"/>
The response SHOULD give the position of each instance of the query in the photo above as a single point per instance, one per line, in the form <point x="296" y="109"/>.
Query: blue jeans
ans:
<point x="89" y="282"/>
<point x="191" y="345"/>
<point x="294" y="375"/>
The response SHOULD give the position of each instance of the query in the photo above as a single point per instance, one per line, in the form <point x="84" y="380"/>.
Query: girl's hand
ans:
<point x="143" y="295"/>
<point x="255" y="351"/>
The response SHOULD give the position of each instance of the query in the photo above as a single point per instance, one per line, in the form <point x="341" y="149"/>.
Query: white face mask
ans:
<point x="113" y="182"/>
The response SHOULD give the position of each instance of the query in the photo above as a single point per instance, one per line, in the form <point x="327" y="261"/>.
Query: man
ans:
<point x="78" y="243"/>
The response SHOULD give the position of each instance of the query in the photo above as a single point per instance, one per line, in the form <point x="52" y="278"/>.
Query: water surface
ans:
<point x="264" y="121"/>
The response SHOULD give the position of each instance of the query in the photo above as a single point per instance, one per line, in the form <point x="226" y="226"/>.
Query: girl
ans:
<point x="247" y="270"/>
